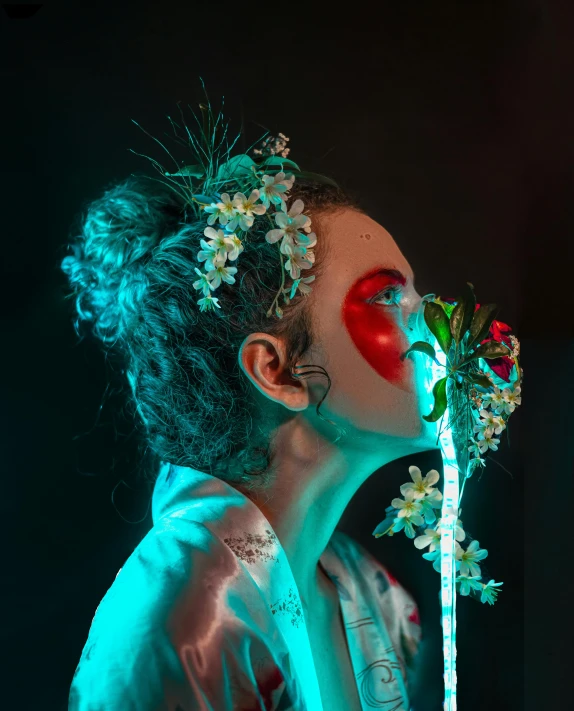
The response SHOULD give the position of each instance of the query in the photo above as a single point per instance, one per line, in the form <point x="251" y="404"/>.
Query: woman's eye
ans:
<point x="390" y="296"/>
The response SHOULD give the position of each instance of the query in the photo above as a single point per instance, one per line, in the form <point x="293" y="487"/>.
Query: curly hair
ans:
<point x="131" y="277"/>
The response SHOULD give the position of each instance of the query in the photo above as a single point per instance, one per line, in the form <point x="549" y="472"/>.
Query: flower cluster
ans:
<point x="272" y="146"/>
<point x="417" y="510"/>
<point x="238" y="214"/>
<point x="491" y="411"/>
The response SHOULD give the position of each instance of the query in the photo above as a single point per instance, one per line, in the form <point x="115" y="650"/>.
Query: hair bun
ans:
<point x="107" y="270"/>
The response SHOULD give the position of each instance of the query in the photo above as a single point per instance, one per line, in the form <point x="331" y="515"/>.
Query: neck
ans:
<point x="313" y="482"/>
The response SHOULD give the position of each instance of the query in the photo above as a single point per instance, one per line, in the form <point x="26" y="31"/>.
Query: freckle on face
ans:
<point x="375" y="333"/>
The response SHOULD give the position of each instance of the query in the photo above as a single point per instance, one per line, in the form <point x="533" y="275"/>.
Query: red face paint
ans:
<point x="373" y="328"/>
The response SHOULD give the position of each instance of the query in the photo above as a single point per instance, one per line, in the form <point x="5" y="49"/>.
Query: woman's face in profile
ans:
<point x="363" y="314"/>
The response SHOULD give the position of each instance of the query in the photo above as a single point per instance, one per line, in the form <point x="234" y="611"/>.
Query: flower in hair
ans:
<point x="208" y="303"/>
<point x="203" y="283"/>
<point x="274" y="188"/>
<point x="247" y="208"/>
<point x="487" y="441"/>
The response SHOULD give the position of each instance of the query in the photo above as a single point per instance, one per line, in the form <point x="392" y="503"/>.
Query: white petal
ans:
<point x="415" y="473"/>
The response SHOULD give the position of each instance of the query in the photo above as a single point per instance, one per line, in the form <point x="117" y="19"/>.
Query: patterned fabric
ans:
<point x="205" y="615"/>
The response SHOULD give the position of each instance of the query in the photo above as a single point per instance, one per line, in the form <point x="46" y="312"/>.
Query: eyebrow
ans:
<point x="391" y="273"/>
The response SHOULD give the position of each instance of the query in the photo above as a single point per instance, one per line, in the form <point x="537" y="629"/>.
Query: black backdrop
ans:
<point x="453" y="120"/>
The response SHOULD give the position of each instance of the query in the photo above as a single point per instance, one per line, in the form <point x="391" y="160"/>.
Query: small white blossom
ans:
<point x="210" y="254"/>
<point x="489" y="592"/>
<point x="430" y="502"/>
<point x="275" y="188"/>
<point x="203" y="283"/>
<point x="512" y="399"/>
<point x="467" y="560"/>
<point x="209" y="303"/>
<point x="290" y="225"/>
<point x="299" y="258"/>
<point x="468" y="583"/>
<point x="475" y="449"/>
<point x="515" y="349"/>
<point x="430" y="538"/>
<point x="495" y="399"/>
<point x="487" y="441"/>
<point x="489" y="421"/>
<point x="247" y="208"/>
<point x="221" y="273"/>
<point x="408" y="514"/>
<point x="228" y="213"/>
<point x="419" y="486"/>
<point x="302" y="285"/>
<point x="215" y="214"/>
<point x="459" y="534"/>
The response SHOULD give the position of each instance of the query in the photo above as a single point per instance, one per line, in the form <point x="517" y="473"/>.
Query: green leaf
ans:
<point x="282" y="162"/>
<point x="490" y="349"/>
<point x="439" y="392"/>
<point x="479" y="379"/>
<point x="236" y="167"/>
<point x="314" y="177"/>
<point x="462" y="314"/>
<point x="437" y="321"/>
<point x="481" y="323"/>
<point x="192" y="171"/>
<point x="421" y="347"/>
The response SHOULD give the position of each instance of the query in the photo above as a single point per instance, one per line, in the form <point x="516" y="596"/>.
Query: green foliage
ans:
<point x="481" y="323"/>
<point x="462" y="314"/>
<point x="439" y="393"/>
<point x="438" y="323"/>
<point x="421" y="347"/>
<point x="279" y="162"/>
<point x="235" y="168"/>
<point x="479" y="379"/>
<point x="490" y="349"/>
<point x="314" y="177"/>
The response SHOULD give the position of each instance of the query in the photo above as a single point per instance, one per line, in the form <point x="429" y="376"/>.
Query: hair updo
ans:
<point x="131" y="276"/>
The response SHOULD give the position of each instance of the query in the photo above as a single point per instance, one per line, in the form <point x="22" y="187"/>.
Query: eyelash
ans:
<point x="396" y="291"/>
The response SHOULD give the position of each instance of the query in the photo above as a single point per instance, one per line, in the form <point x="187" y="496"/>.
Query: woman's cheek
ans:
<point x="379" y="340"/>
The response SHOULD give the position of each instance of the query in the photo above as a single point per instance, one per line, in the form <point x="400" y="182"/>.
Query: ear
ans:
<point x="263" y="360"/>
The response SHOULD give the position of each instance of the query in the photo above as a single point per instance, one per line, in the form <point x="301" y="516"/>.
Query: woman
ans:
<point x="243" y="595"/>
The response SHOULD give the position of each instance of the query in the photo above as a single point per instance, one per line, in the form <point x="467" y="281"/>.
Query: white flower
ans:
<point x="221" y="272"/>
<point x="486" y="441"/>
<point x="300" y="258"/>
<point x="466" y="560"/>
<point x="421" y="487"/>
<point x="474" y="449"/>
<point x="408" y="514"/>
<point x="511" y="399"/>
<point x="302" y="286"/>
<point x="203" y="283"/>
<point x="209" y="303"/>
<point x="224" y="244"/>
<point x="274" y="188"/>
<point x="210" y="254"/>
<point x="215" y="214"/>
<point x="489" y="421"/>
<point x="430" y="502"/>
<point x="290" y="225"/>
<point x="247" y="208"/>
<point x="495" y="399"/>
<point x="489" y="592"/>
<point x="430" y="538"/>
<point x="515" y="349"/>
<point x="468" y="583"/>
<point x="227" y="210"/>
<point x="236" y="249"/>
<point x="407" y="506"/>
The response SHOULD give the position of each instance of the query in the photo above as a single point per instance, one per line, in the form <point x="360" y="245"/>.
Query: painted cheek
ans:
<point x="376" y="334"/>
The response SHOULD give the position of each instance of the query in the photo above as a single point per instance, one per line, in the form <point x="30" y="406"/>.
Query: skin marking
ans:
<point x="374" y="330"/>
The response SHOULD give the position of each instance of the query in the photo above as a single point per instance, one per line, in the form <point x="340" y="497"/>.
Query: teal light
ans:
<point x="431" y="372"/>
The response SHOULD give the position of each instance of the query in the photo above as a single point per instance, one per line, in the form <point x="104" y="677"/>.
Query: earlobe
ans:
<point x="262" y="358"/>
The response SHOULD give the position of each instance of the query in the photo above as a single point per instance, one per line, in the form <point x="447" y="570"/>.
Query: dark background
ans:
<point x="454" y="122"/>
